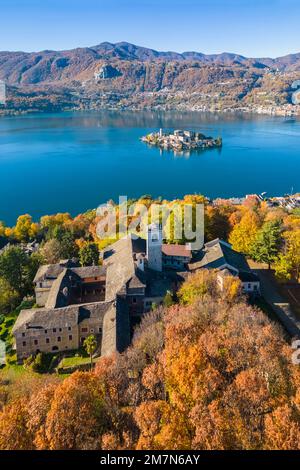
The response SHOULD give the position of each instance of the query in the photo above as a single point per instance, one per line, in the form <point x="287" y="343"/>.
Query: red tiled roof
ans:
<point x="176" y="250"/>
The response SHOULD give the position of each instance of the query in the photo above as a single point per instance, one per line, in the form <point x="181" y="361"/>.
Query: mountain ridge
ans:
<point x="126" y="75"/>
<point x="109" y="46"/>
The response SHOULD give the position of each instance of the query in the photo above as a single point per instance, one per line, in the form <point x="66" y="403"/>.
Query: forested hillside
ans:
<point x="127" y="76"/>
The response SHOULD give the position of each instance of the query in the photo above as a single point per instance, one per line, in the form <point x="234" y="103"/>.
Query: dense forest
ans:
<point x="205" y="371"/>
<point x="209" y="373"/>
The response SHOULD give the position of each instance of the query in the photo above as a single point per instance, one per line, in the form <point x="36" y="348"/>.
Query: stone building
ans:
<point x="109" y="300"/>
<point x="72" y="306"/>
<point x="106" y="301"/>
<point x="154" y="245"/>
<point x="52" y="330"/>
<point x="134" y="270"/>
<point x="64" y="283"/>
<point x="176" y="256"/>
<point x="219" y="255"/>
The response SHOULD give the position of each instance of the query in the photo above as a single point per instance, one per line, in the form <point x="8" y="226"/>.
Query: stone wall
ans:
<point x="33" y="341"/>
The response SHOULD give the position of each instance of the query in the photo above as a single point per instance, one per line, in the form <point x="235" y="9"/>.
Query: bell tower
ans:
<point x="154" y="247"/>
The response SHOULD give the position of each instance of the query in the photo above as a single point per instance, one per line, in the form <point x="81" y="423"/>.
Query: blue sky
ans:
<point x="249" y="27"/>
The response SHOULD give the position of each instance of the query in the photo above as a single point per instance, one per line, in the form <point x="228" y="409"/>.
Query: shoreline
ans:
<point x="285" y="111"/>
<point x="143" y="122"/>
<point x="282" y="201"/>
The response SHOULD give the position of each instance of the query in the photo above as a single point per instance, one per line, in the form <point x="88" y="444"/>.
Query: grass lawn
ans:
<point x="73" y="361"/>
<point x="6" y="336"/>
<point x="14" y="371"/>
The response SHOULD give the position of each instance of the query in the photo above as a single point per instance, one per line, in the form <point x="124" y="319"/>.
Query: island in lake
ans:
<point x="179" y="140"/>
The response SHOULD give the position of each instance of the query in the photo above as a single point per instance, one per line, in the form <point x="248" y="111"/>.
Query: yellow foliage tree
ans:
<point x="232" y="289"/>
<point x="244" y="233"/>
<point x="2" y="229"/>
<point x="197" y="286"/>
<point x="288" y="264"/>
<point x="25" y="229"/>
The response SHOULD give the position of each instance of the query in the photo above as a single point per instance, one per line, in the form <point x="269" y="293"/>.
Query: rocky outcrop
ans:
<point x="125" y="75"/>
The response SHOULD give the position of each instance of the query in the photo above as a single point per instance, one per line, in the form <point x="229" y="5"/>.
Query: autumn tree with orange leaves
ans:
<point x="207" y="374"/>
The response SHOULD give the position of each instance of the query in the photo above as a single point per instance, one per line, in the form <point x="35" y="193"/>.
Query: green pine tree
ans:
<point x="267" y="244"/>
<point x="89" y="254"/>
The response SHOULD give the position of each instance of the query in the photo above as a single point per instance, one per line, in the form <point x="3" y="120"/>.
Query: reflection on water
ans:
<point x="75" y="161"/>
<point x="138" y="119"/>
<point x="183" y="153"/>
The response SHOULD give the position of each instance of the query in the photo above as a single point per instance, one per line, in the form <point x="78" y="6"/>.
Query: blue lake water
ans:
<point x="76" y="161"/>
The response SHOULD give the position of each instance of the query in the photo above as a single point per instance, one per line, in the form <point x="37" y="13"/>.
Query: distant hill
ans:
<point x="126" y="74"/>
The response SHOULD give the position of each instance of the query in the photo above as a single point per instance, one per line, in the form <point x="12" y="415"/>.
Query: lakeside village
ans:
<point x="108" y="300"/>
<point x="181" y="140"/>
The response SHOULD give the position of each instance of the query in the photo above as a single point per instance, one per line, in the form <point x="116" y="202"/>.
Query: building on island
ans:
<point x="108" y="301"/>
<point x="181" y="140"/>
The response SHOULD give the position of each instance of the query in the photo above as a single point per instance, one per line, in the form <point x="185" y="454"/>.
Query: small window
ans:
<point x="70" y="337"/>
<point x="54" y="348"/>
<point x="134" y="300"/>
<point x="47" y="340"/>
<point x="60" y="329"/>
<point x="249" y="286"/>
<point x="59" y="339"/>
<point x="24" y="343"/>
<point x="96" y="279"/>
<point x="69" y="328"/>
<point x="84" y="330"/>
<point x="100" y="330"/>
<point x="36" y="341"/>
<point x="23" y="334"/>
<point x="46" y="331"/>
<point x="54" y="330"/>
